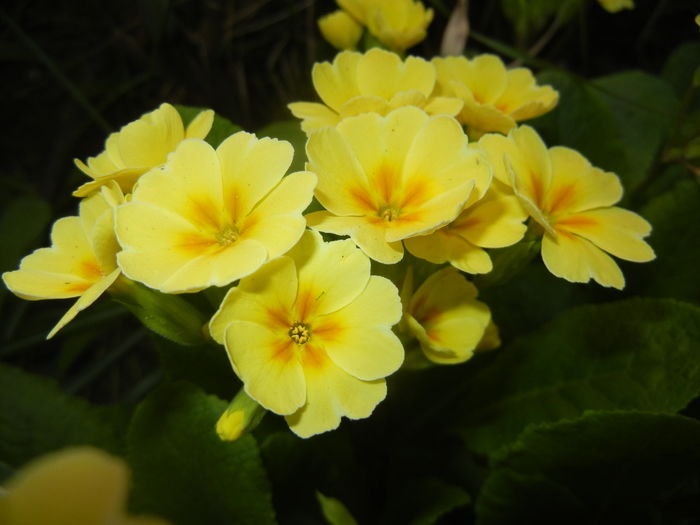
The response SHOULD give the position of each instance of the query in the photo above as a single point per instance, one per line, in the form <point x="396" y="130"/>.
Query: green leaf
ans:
<point x="530" y="16"/>
<point x="604" y="467"/>
<point x="680" y="66"/>
<point x="635" y="354"/>
<point x="31" y="215"/>
<point x="289" y="130"/>
<point x="37" y="417"/>
<point x="221" y="128"/>
<point x="334" y="511"/>
<point x="676" y="240"/>
<point x="423" y="501"/>
<point x="183" y="472"/>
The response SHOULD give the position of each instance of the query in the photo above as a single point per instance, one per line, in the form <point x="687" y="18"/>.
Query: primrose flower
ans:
<point x="309" y="334"/>
<point x="340" y="29"/>
<point x="140" y="146"/>
<point x="209" y="217"/>
<point x="495" y="221"/>
<point x="494" y="98"/>
<point x="385" y="179"/>
<point x="573" y="203"/>
<point x="614" y="6"/>
<point x="377" y="81"/>
<point x="81" y="261"/>
<point x="76" y="486"/>
<point x="445" y="317"/>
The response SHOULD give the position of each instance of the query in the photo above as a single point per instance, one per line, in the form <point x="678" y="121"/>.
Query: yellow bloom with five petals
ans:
<point x="340" y="29"/>
<point x="81" y="261"/>
<point x="76" y="486"/>
<point x="139" y="146"/>
<point x="377" y="81"/>
<point x="573" y="202"/>
<point x="209" y="217"/>
<point x="445" y="317"/>
<point x="309" y="334"/>
<point x="385" y="179"/>
<point x="494" y="98"/>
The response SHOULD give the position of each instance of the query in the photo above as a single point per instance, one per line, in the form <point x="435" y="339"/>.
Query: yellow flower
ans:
<point x="209" y="217"/>
<point x="140" y="146"/>
<point x="385" y="179"/>
<point x="340" y="29"/>
<point x="445" y="317"/>
<point x="81" y="261"/>
<point x="573" y="202"/>
<point x="76" y="486"/>
<point x="613" y="6"/>
<point x="494" y="98"/>
<point x="309" y="334"/>
<point x="377" y="81"/>
<point x="495" y="221"/>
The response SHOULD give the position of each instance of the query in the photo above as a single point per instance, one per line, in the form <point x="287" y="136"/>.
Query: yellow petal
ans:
<point x="263" y="297"/>
<point x="314" y="116"/>
<point x="331" y="394"/>
<point x="443" y="106"/>
<point x="358" y="338"/>
<point x="534" y="176"/>
<point x="200" y="125"/>
<point x="266" y="362"/>
<point x="523" y="98"/>
<point x="384" y="74"/>
<point x="86" y="299"/>
<point x="578" y="186"/>
<point x="126" y="178"/>
<point x="364" y="104"/>
<point x="447" y="246"/>
<point x="337" y="83"/>
<point x="340" y="29"/>
<point x="148" y="140"/>
<point x="578" y="260"/>
<point x="250" y="168"/>
<point x="615" y="230"/>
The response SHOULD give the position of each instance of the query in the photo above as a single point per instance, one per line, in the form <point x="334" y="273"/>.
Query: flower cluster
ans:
<point x="403" y="155"/>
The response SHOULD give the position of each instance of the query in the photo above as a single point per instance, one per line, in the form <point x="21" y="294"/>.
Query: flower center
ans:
<point x="388" y="213"/>
<point x="227" y="235"/>
<point x="300" y="333"/>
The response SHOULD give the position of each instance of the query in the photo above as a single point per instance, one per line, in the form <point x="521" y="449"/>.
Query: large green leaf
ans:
<point x="37" y="417"/>
<point x="183" y="472"/>
<point x="681" y="65"/>
<point x="423" y="501"/>
<point x="604" y="467"/>
<point x="635" y="354"/>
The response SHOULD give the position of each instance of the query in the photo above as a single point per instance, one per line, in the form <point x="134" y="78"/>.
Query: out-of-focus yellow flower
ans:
<point x="309" y="334"/>
<point x="241" y="416"/>
<point x="613" y="6"/>
<point x="495" y="221"/>
<point x="377" y="81"/>
<point x="445" y="317"/>
<point x="340" y="29"/>
<point x="140" y="146"/>
<point x="573" y="202"/>
<point x="209" y="217"/>
<point x="76" y="486"/>
<point x="81" y="261"/>
<point x="494" y="98"/>
<point x="385" y="179"/>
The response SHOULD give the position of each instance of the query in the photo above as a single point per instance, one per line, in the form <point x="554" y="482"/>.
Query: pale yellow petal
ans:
<point x="443" y="106"/>
<point x="126" y="178"/>
<point x="496" y="221"/>
<point x="200" y="125"/>
<point x="267" y="363"/>
<point x="86" y="299"/>
<point x="578" y="260"/>
<point x="336" y="83"/>
<point x="384" y="74"/>
<point x="364" y="104"/>
<point x="358" y="337"/>
<point x="534" y="176"/>
<point x="615" y="230"/>
<point x="523" y="98"/>
<point x="250" y="168"/>
<point x="314" y="116"/>
<point x="148" y="140"/>
<point x="340" y="29"/>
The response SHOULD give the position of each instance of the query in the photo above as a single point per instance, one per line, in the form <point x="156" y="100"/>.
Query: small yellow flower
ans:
<point x="209" y="217"/>
<point x="494" y="98"/>
<point x="81" y="261"/>
<point x="385" y="179"/>
<point x="76" y="486"/>
<point x="495" y="221"/>
<point x="573" y="203"/>
<point x="340" y="29"/>
<point x="377" y="81"/>
<point x="445" y="317"/>
<point x="309" y="334"/>
<point x="613" y="6"/>
<point x="140" y="146"/>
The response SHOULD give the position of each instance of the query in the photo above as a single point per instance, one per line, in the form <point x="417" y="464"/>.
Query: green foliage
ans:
<point x="603" y="467"/>
<point x="334" y="511"/>
<point x="37" y="417"/>
<point x="183" y="472"/>
<point x="423" y="501"/>
<point x="33" y="215"/>
<point x="633" y="354"/>
<point x="530" y="16"/>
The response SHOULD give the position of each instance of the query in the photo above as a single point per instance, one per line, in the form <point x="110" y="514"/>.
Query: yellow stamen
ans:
<point x="300" y="333"/>
<point x="388" y="213"/>
<point x="227" y="235"/>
